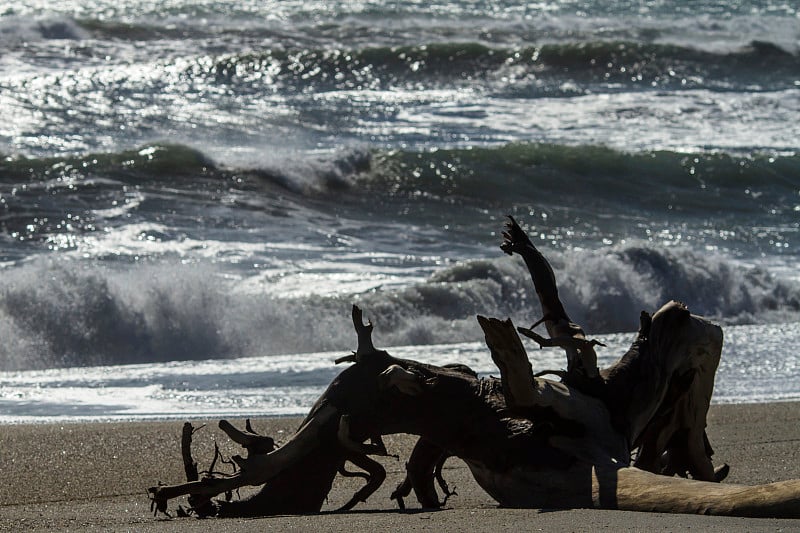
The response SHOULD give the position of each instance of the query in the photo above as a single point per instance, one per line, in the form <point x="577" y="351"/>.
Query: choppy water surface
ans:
<point x="215" y="180"/>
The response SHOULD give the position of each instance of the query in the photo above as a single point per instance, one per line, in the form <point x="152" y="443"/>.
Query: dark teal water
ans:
<point x="188" y="180"/>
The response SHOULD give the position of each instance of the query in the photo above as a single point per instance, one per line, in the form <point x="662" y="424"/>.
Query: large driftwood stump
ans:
<point x="610" y="438"/>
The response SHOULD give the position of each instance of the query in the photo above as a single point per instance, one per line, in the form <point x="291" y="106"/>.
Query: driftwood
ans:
<point x="613" y="438"/>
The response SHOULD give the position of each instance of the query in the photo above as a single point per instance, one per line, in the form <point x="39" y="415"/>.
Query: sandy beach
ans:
<point x="94" y="476"/>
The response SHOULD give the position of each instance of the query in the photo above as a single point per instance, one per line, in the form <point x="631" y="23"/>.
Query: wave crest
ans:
<point x="15" y="30"/>
<point x="52" y="315"/>
<point x="528" y="71"/>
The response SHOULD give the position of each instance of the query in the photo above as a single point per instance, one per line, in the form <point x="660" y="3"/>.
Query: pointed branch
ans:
<point x="560" y="373"/>
<point x="581" y="357"/>
<point x="567" y="343"/>
<point x="544" y="279"/>
<point x="645" y="321"/>
<point x="364" y="333"/>
<point x="578" y="348"/>
<point x="189" y="464"/>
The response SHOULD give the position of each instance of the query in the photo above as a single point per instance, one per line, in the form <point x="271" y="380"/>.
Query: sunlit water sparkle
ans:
<point x="198" y="181"/>
<point x="758" y="365"/>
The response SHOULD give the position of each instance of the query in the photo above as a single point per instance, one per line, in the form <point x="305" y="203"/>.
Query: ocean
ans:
<point x="194" y="193"/>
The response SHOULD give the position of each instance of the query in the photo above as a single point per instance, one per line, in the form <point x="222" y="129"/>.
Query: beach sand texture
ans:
<point x="94" y="477"/>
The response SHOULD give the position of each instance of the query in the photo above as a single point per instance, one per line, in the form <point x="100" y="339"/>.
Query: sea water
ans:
<point x="192" y="194"/>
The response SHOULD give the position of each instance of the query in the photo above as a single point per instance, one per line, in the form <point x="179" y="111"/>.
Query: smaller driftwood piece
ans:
<point x="631" y="436"/>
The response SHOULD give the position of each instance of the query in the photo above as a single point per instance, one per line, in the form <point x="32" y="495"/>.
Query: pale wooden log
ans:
<point x="637" y="490"/>
<point x="633" y="489"/>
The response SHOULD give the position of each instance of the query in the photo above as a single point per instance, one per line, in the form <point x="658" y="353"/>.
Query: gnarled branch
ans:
<point x="376" y="475"/>
<point x="581" y="357"/>
<point x="253" y="442"/>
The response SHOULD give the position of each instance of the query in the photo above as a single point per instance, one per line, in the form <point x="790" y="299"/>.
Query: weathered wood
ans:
<point x="376" y="475"/>
<point x="528" y="441"/>
<point x="519" y="386"/>
<point x="189" y="464"/>
<point x="637" y="490"/>
<point x="254" y="443"/>
<point x="581" y="356"/>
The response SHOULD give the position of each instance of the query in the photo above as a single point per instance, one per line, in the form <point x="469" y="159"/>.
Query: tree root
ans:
<point x="423" y="467"/>
<point x="376" y="475"/>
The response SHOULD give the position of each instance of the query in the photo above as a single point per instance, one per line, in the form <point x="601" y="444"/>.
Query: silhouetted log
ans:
<point x="528" y="441"/>
<point x="189" y="464"/>
<point x="424" y="466"/>
<point x="566" y="449"/>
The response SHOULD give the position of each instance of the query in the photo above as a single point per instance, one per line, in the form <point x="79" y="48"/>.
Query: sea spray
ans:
<point x="62" y="314"/>
<point x="184" y="181"/>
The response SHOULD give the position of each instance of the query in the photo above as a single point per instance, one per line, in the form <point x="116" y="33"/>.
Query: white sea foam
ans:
<point x="758" y="365"/>
<point x="68" y="312"/>
<point x="185" y="181"/>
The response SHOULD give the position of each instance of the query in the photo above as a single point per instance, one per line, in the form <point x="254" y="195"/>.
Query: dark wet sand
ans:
<point x="94" y="476"/>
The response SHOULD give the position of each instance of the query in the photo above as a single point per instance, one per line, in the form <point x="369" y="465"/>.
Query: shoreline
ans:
<point x="174" y="419"/>
<point x="94" y="476"/>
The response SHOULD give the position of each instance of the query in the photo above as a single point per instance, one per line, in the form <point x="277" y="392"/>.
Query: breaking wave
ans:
<point x="16" y="30"/>
<point x="745" y="203"/>
<point x="700" y="181"/>
<point x="54" y="313"/>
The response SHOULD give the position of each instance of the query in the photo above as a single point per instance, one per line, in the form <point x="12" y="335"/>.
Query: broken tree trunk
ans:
<point x="669" y="430"/>
<point x="529" y="441"/>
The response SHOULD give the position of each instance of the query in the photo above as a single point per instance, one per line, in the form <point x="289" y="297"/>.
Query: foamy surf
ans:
<point x="755" y="367"/>
<point x="184" y="182"/>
